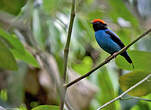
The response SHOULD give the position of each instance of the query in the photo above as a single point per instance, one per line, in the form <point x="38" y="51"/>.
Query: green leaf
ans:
<point x="7" y="60"/>
<point x="12" y="6"/>
<point x="18" y="49"/>
<point x="83" y="67"/>
<point x="46" y="107"/>
<point x="13" y="41"/>
<point x="26" y="57"/>
<point x="130" y="79"/>
<point x="143" y="105"/>
<point x="107" y="91"/>
<point x="140" y="59"/>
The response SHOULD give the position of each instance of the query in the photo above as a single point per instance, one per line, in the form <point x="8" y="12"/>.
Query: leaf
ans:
<point x="83" y="67"/>
<point x="12" y="6"/>
<point x="130" y="79"/>
<point x="18" y="49"/>
<point x="143" y="105"/>
<point x="106" y="91"/>
<point x="26" y="57"/>
<point x="13" y="41"/>
<point x="46" y="107"/>
<point x="140" y="60"/>
<point x="7" y="60"/>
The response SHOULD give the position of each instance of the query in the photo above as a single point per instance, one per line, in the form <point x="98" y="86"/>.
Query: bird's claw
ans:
<point x="115" y="54"/>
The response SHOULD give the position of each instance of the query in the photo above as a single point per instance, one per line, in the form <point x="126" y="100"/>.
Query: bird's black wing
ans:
<point x="115" y="39"/>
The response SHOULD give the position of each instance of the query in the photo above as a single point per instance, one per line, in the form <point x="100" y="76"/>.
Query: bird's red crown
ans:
<point x="98" y="20"/>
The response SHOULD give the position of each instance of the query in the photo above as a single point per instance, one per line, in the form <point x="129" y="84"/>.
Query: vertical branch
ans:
<point x="66" y="52"/>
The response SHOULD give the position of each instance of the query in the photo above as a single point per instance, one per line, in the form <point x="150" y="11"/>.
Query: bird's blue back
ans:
<point x="105" y="41"/>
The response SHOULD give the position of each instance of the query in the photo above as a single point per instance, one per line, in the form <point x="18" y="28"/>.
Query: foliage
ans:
<point x="5" y="57"/>
<point x="138" y="58"/>
<point x="128" y="80"/>
<point x="15" y="8"/>
<point x="46" y="25"/>
<point x="46" y="107"/>
<point x="14" y="48"/>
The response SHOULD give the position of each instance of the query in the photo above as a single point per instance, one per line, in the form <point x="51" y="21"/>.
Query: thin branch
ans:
<point x="124" y="93"/>
<point x="137" y="98"/>
<point x="66" y="51"/>
<point x="107" y="60"/>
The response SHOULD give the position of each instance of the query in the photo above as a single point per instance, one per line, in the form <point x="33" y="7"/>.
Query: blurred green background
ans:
<point x="33" y="28"/>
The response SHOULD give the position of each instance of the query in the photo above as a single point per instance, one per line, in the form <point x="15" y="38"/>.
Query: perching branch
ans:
<point x="107" y="60"/>
<point x="124" y="93"/>
<point x="66" y="51"/>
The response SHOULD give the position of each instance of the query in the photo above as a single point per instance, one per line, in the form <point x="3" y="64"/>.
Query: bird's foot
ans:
<point x="115" y="54"/>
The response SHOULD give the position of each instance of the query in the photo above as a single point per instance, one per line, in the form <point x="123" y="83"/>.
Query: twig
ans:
<point x="107" y="60"/>
<point x="128" y="90"/>
<point x="66" y="51"/>
<point x="137" y="98"/>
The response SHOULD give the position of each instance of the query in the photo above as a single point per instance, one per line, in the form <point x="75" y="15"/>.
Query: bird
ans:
<point x="108" y="40"/>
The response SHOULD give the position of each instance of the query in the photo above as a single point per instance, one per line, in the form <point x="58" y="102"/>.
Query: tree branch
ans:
<point x="107" y="60"/>
<point x="128" y="90"/>
<point x="66" y="51"/>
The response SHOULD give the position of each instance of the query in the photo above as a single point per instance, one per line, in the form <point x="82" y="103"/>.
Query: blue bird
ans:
<point x="108" y="40"/>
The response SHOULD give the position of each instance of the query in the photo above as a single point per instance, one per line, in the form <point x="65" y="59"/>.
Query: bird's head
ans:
<point x="99" y="24"/>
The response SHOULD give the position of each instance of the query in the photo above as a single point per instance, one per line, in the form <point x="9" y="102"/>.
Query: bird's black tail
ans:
<point x="125" y="55"/>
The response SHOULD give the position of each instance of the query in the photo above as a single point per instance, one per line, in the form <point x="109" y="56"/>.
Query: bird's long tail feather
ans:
<point x="125" y="55"/>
